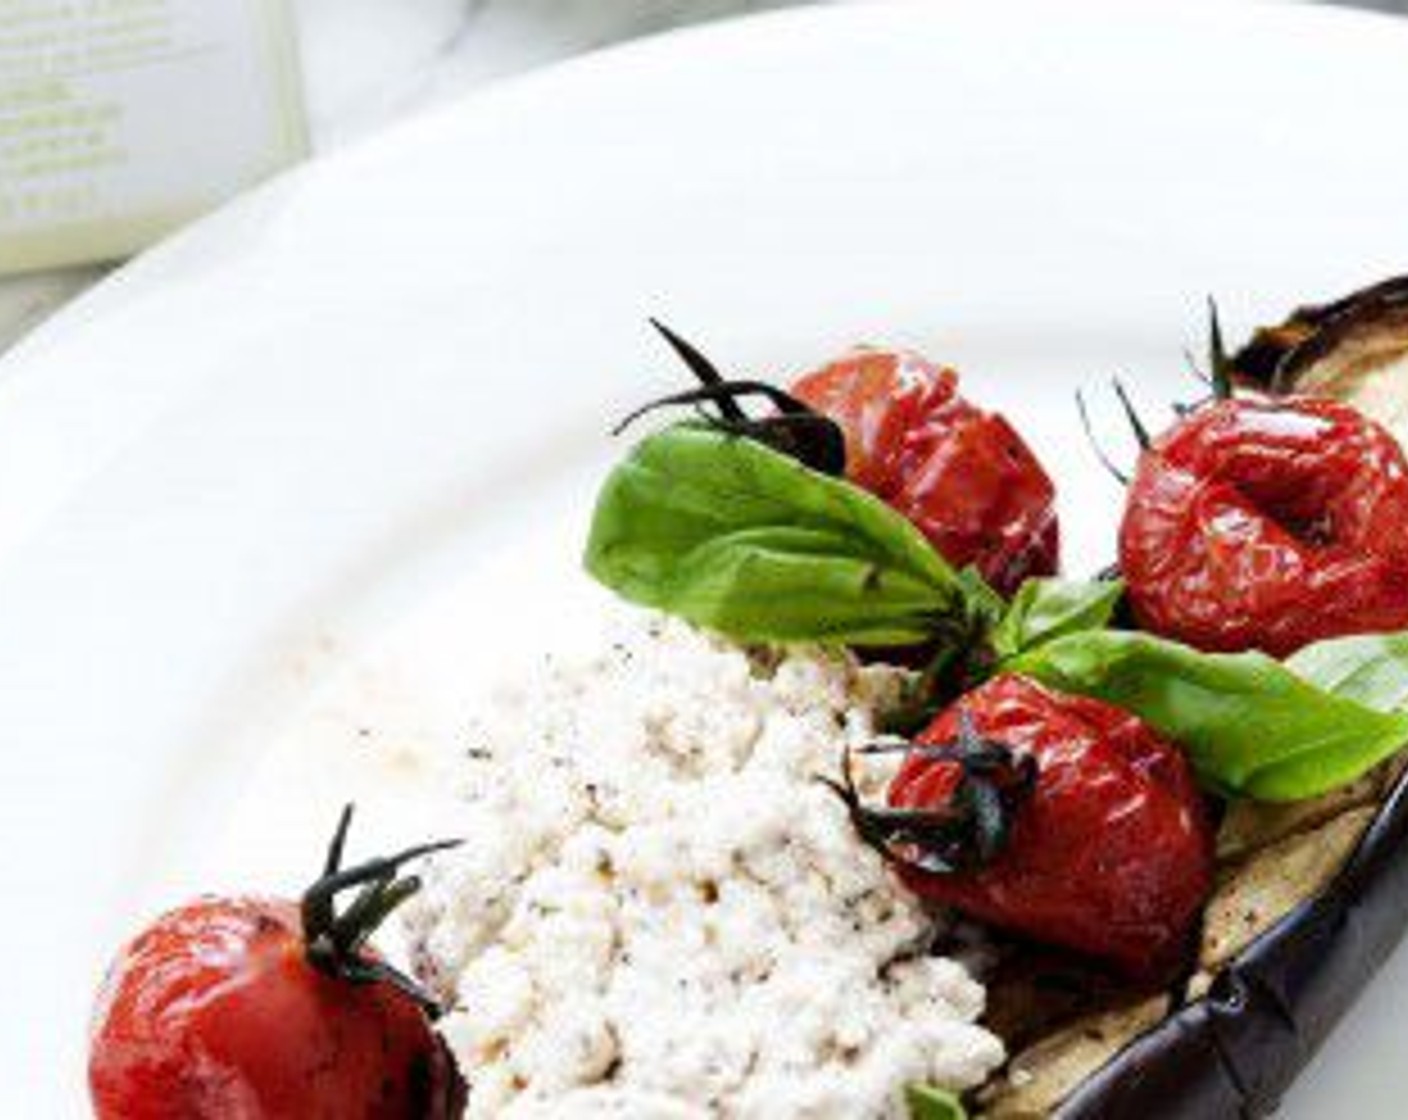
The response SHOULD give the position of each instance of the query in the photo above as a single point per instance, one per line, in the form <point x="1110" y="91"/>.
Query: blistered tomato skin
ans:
<point x="1111" y="855"/>
<point x="214" y="1013"/>
<point x="963" y="476"/>
<point x="1268" y="524"/>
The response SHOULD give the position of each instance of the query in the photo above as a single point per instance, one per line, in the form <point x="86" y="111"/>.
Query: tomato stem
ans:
<point x="699" y="365"/>
<point x="334" y="942"/>
<point x="794" y="429"/>
<point x="969" y="829"/>
<point x="728" y="392"/>
<point x="1141" y="433"/>
<point x="1105" y="461"/>
<point x="1219" y="364"/>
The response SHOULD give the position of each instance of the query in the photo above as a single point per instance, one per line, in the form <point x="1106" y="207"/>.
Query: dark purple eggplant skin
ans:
<point x="1235" y="1052"/>
<point x="1276" y="356"/>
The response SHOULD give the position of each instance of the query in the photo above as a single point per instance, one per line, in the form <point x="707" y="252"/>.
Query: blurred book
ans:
<point x="121" y="120"/>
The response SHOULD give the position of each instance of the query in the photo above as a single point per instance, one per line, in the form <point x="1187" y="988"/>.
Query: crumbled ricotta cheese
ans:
<point x="659" y="912"/>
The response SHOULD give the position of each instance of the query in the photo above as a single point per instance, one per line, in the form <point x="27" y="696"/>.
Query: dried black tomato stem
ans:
<point x="334" y="942"/>
<point x="1196" y="370"/>
<point x="1219" y="379"/>
<point x="1105" y="461"/>
<point x="1141" y="433"/>
<point x="1131" y="414"/>
<point x="794" y="428"/>
<point x="1219" y="364"/>
<point x="965" y="833"/>
<point x="726" y="393"/>
<point x="702" y="368"/>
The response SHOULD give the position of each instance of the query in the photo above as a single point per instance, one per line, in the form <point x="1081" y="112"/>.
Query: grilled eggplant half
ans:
<point x="1354" y="348"/>
<point x="1311" y="897"/>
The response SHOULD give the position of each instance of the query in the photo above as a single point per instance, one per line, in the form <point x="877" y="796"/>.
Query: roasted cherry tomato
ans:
<point x="963" y="476"/>
<point x="231" y="1008"/>
<point x="1268" y="524"/>
<point x="1109" y="852"/>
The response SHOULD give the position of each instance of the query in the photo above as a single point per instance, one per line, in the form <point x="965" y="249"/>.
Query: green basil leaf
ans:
<point x="1046" y="609"/>
<point x="985" y="606"/>
<point x="1371" y="669"/>
<point x="734" y="536"/>
<point x="1250" y="725"/>
<point x="928" y="1102"/>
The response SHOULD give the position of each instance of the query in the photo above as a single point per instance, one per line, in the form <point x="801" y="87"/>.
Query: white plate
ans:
<point x="323" y="463"/>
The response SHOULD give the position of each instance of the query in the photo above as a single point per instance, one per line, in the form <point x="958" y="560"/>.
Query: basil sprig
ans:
<point x="733" y="536"/>
<point x="1251" y="725"/>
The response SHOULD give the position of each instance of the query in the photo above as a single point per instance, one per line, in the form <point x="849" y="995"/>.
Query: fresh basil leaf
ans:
<point x="734" y="536"/>
<point x="1046" y="609"/>
<point x="928" y="1102"/>
<point x="1371" y="669"/>
<point x="1251" y="726"/>
<point x="985" y="606"/>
